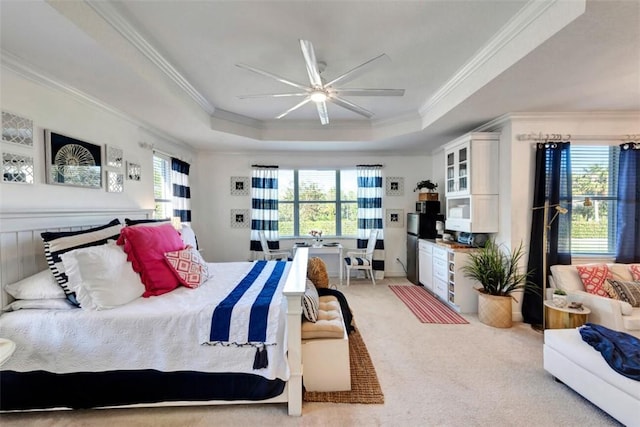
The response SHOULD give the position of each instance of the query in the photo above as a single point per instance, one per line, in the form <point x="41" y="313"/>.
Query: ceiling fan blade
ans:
<point x="322" y="112"/>
<point x="273" y="95"/>
<point x="295" y="107"/>
<point x="351" y="106"/>
<point x="357" y="71"/>
<point x="370" y="92"/>
<point x="312" y="64"/>
<point x="273" y="76"/>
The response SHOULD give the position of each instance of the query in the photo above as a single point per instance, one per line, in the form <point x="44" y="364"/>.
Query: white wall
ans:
<point x="56" y="110"/>
<point x="213" y="202"/>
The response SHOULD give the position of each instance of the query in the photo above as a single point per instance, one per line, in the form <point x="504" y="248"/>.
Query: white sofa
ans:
<point x="611" y="313"/>
<point x="578" y="365"/>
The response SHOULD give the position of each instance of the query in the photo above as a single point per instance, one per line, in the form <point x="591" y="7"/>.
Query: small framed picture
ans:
<point x="240" y="218"/>
<point x="115" y="182"/>
<point x="394" y="186"/>
<point x="395" y="218"/>
<point x="133" y="171"/>
<point x="239" y="186"/>
<point x="114" y="156"/>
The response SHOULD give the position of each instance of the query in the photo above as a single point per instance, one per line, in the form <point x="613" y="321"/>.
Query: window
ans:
<point x="162" y="189"/>
<point x="594" y="174"/>
<point x="310" y="200"/>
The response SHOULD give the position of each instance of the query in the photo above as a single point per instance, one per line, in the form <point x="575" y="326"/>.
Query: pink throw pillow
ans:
<point x="189" y="267"/>
<point x="145" y="248"/>
<point x="593" y="278"/>
<point x="635" y="271"/>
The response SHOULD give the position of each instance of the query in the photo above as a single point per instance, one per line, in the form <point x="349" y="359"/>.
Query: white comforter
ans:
<point x="162" y="333"/>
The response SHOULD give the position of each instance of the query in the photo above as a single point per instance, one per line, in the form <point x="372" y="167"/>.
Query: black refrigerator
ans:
<point x="420" y="226"/>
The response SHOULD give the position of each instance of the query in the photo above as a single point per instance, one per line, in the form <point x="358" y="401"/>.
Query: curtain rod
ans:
<point x="548" y="137"/>
<point x="265" y="166"/>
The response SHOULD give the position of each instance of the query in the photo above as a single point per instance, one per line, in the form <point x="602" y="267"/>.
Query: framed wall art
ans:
<point x="115" y="182"/>
<point x="133" y="171"/>
<point x="73" y="162"/>
<point x="394" y="186"/>
<point x="239" y="186"/>
<point x="395" y="218"/>
<point x="17" y="130"/>
<point x="114" y="156"/>
<point x="240" y="218"/>
<point x="17" y="168"/>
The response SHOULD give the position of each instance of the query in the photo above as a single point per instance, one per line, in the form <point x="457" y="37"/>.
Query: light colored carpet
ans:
<point x="431" y="375"/>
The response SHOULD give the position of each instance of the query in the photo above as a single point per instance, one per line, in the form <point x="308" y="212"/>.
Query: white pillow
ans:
<point x="188" y="236"/>
<point x="41" y="304"/>
<point x="39" y="286"/>
<point x="101" y="277"/>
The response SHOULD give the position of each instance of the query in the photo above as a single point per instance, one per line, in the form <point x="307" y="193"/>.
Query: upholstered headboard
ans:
<point x="22" y="249"/>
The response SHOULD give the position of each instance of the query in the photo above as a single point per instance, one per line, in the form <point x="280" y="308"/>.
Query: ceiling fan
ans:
<point x="320" y="92"/>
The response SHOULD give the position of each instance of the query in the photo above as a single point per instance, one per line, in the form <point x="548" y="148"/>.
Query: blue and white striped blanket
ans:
<point x="249" y="314"/>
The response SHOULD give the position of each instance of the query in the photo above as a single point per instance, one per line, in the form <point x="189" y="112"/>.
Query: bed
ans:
<point x="151" y="351"/>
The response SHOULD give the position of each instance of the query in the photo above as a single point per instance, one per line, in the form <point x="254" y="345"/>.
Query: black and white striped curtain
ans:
<point x="181" y="191"/>
<point x="370" y="212"/>
<point x="264" y="207"/>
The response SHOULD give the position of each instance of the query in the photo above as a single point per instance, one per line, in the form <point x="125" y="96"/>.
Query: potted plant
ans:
<point x="425" y="186"/>
<point x="559" y="298"/>
<point x="498" y="273"/>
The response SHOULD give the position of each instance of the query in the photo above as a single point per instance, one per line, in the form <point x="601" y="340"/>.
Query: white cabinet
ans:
<point x="440" y="274"/>
<point x="449" y="281"/>
<point x="472" y="184"/>
<point x="425" y="264"/>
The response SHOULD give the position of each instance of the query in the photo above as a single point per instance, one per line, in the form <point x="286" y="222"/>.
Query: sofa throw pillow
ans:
<point x="101" y="277"/>
<point x="317" y="272"/>
<point x="627" y="291"/>
<point x="635" y="271"/>
<point x="189" y="267"/>
<point x="310" y="302"/>
<point x="38" y="286"/>
<point x="609" y="289"/>
<point x="593" y="276"/>
<point x="145" y="247"/>
<point x="188" y="236"/>
<point x="58" y="243"/>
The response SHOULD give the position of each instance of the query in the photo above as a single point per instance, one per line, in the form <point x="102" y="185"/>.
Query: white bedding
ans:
<point x="134" y="336"/>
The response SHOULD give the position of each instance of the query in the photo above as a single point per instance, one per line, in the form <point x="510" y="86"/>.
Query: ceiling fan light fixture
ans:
<point x="318" y="96"/>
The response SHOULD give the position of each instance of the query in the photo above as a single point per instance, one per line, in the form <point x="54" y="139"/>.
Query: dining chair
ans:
<point x="271" y="254"/>
<point x="362" y="260"/>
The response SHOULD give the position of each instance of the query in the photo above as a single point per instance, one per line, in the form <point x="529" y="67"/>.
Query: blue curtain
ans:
<point x="628" y="208"/>
<point x="370" y="213"/>
<point x="264" y="207"/>
<point x="552" y="185"/>
<point x="181" y="190"/>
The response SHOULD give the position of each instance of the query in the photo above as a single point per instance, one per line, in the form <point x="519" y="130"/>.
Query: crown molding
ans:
<point x="27" y="71"/>
<point x="107" y="12"/>
<point x="517" y="26"/>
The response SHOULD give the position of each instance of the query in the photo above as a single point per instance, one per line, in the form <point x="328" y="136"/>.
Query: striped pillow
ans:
<point x="627" y="291"/>
<point x="58" y="243"/>
<point x="310" y="302"/>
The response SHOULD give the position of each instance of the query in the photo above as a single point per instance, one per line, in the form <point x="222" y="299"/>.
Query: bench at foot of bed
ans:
<point x="325" y="350"/>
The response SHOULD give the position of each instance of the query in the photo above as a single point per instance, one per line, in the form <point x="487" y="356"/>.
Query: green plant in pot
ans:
<point x="559" y="297"/>
<point x="498" y="273"/>
<point x="426" y="185"/>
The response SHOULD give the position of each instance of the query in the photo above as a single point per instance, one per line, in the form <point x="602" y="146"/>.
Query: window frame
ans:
<point x="338" y="202"/>
<point x="168" y="186"/>
<point x="612" y="191"/>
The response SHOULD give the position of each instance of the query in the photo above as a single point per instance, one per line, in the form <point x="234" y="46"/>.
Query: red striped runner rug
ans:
<point x="426" y="307"/>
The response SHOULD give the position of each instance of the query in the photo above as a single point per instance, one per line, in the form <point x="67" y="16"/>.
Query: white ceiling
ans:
<point x="171" y="65"/>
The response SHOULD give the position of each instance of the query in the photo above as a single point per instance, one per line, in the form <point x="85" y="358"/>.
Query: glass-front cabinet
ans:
<point x="458" y="170"/>
<point x="472" y="182"/>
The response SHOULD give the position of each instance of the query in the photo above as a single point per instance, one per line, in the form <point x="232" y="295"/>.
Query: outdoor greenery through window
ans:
<point x="594" y="173"/>
<point x="162" y="188"/>
<point x="324" y="200"/>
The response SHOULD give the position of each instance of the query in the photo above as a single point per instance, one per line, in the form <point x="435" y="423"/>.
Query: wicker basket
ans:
<point x="494" y="310"/>
<point x="423" y="197"/>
